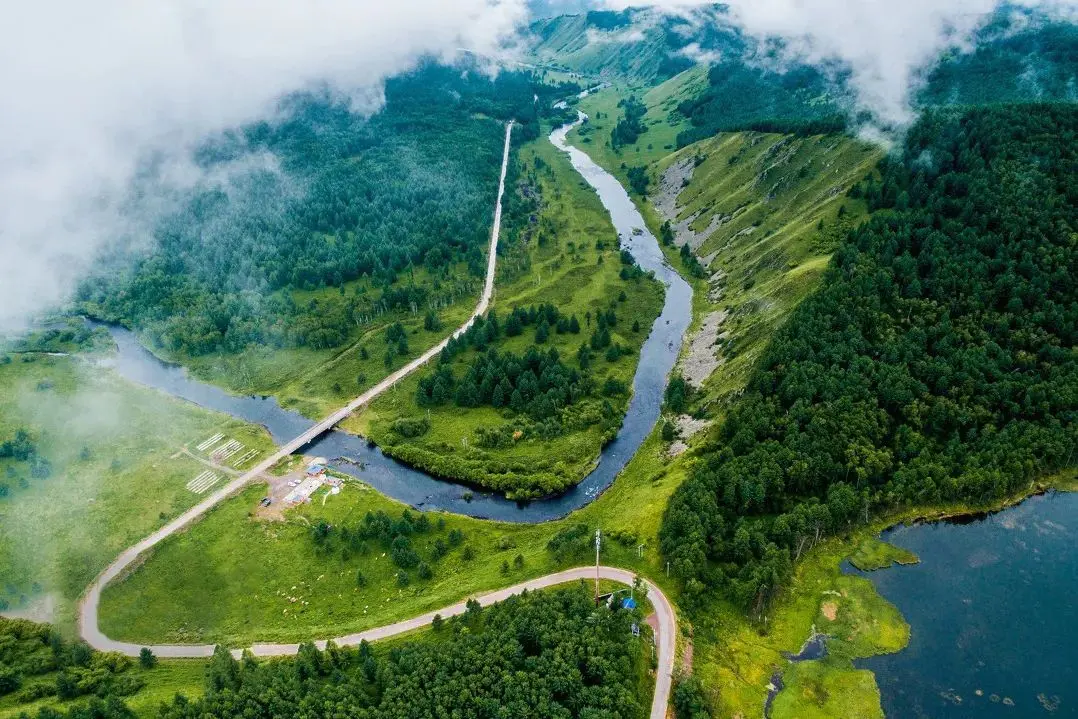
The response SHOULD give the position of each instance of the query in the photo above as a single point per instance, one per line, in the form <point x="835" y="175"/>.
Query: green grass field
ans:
<point x="196" y="587"/>
<point x="112" y="481"/>
<point x="564" y="267"/>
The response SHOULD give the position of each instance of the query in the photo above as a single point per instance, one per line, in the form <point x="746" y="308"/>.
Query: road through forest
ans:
<point x="88" y="605"/>
<point x="664" y="642"/>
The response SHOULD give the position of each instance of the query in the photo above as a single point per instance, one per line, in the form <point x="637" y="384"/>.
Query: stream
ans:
<point x="354" y="456"/>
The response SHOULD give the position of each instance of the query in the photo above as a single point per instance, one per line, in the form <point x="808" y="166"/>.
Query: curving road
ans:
<point x="663" y="610"/>
<point x="88" y="605"/>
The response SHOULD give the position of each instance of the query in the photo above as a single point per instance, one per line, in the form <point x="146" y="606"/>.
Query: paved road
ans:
<point x="664" y="611"/>
<point x="88" y="628"/>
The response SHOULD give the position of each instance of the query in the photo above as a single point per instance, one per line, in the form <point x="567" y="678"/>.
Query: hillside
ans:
<point x="934" y="363"/>
<point x="762" y="212"/>
<point x="1036" y="64"/>
<point x="630" y="44"/>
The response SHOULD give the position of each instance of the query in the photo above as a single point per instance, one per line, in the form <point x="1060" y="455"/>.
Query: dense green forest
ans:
<point x="936" y="362"/>
<point x="1039" y="63"/>
<point x="743" y="97"/>
<point x="355" y="197"/>
<point x="1036" y="63"/>
<point x="36" y="662"/>
<point x="548" y="654"/>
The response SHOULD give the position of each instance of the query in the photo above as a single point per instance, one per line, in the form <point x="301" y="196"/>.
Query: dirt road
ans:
<point x="664" y="611"/>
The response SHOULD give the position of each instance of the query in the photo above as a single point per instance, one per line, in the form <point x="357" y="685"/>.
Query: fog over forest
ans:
<point x="130" y="86"/>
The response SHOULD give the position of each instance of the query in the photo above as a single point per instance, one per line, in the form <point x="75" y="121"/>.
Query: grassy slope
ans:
<point x="57" y="533"/>
<point x="565" y="270"/>
<point x="563" y="42"/>
<point x="776" y="191"/>
<point x="196" y="587"/>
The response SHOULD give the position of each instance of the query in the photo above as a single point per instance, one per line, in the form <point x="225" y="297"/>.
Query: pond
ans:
<point x="993" y="613"/>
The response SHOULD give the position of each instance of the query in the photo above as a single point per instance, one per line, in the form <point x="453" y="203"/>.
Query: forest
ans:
<point x="1014" y="61"/>
<point x="1035" y="64"/>
<point x="548" y="654"/>
<point x="353" y="197"/>
<point x="935" y="362"/>
<point x="36" y="662"/>
<point x="742" y="97"/>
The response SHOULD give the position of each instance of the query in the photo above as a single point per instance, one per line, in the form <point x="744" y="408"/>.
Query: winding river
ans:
<point x="418" y="489"/>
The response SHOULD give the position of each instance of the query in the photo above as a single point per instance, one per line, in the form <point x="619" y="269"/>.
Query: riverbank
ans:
<point x="569" y="259"/>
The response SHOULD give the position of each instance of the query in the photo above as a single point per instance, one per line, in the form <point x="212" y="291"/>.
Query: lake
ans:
<point x="992" y="612"/>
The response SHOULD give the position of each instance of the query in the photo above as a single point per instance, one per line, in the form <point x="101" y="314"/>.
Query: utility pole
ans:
<point x="598" y="541"/>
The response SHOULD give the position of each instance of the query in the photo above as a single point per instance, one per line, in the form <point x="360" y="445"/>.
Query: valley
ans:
<point x="643" y="299"/>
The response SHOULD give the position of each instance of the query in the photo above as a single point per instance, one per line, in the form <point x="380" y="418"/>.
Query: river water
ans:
<point x="418" y="489"/>
<point x="992" y="612"/>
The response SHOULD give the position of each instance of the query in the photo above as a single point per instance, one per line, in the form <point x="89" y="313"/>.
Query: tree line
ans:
<point x="546" y="654"/>
<point x="935" y="362"/>
<point x="21" y="447"/>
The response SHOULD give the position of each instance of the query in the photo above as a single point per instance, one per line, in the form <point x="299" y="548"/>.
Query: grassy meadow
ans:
<point x="777" y="209"/>
<point x="110" y="481"/>
<point x="195" y="587"/>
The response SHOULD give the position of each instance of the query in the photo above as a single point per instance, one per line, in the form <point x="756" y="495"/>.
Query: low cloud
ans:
<point x="93" y="89"/>
<point x="883" y="42"/>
